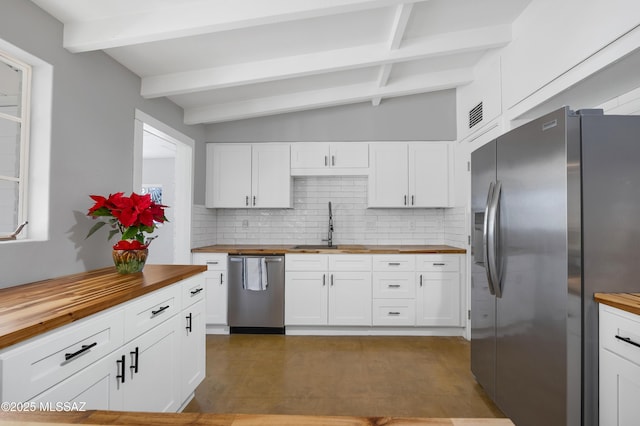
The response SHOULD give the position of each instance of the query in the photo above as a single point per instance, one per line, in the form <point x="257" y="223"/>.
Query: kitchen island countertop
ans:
<point x="31" y="309"/>
<point x="629" y="302"/>
<point x="279" y="249"/>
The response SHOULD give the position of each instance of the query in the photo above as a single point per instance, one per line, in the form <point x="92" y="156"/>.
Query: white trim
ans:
<point x="184" y="179"/>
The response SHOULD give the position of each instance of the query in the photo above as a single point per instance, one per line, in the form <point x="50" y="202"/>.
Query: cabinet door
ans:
<point x="271" y="176"/>
<point x="152" y="369"/>
<point x="216" y="297"/>
<point x="430" y="166"/>
<point x="309" y="155"/>
<point x="228" y="175"/>
<point x="305" y="298"/>
<point x="192" y="347"/>
<point x="96" y="387"/>
<point x="350" y="298"/>
<point x="619" y="390"/>
<point x="349" y="155"/>
<point x="388" y="175"/>
<point x="438" y="299"/>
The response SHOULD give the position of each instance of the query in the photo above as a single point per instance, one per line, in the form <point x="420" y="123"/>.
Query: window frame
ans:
<point x="24" y="120"/>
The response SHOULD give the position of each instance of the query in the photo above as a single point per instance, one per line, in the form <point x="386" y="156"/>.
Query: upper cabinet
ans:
<point x="248" y="175"/>
<point x="411" y="174"/>
<point x="329" y="158"/>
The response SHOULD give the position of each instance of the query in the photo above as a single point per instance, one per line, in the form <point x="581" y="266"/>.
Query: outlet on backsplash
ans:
<point x="245" y="223"/>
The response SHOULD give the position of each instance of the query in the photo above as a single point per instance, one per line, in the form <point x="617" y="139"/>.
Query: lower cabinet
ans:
<point x="619" y="358"/>
<point x="438" y="297"/>
<point x="216" y="285"/>
<point x="338" y="292"/>
<point x="92" y="364"/>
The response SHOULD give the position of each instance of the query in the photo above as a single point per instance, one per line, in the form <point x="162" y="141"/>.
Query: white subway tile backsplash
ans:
<point x="307" y="222"/>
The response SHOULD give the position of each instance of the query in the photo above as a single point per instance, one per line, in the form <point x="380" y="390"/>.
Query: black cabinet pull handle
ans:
<point x="189" y="322"/>
<point x="134" y="363"/>
<point x="394" y="286"/>
<point x="221" y="278"/>
<point x="246" y="200"/>
<point x="254" y="200"/>
<point x="628" y="340"/>
<point x="118" y="362"/>
<point x="83" y="349"/>
<point x="196" y="291"/>
<point x="394" y="313"/>
<point x="324" y="280"/>
<point x="331" y="280"/>
<point x="420" y="280"/>
<point x="161" y="309"/>
<point x="439" y="264"/>
<point x="394" y="263"/>
<point x="405" y="200"/>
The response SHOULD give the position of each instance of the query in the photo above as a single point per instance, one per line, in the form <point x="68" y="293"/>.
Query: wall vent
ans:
<point x="475" y="115"/>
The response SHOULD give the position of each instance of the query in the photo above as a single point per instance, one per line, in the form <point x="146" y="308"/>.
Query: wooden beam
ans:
<point x="322" y="62"/>
<point x="327" y="97"/>
<point x="190" y="19"/>
<point x="403" y="12"/>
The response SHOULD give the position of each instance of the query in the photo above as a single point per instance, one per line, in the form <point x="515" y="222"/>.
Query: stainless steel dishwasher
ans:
<point x="251" y="308"/>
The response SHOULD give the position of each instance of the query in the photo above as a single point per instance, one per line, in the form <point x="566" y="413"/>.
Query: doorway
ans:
<point x="163" y="166"/>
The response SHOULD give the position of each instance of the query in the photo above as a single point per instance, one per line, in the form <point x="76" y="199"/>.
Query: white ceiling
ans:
<point x="224" y="60"/>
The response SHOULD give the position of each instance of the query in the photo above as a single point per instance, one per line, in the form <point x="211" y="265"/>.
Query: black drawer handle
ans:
<point x="394" y="285"/>
<point x="118" y="362"/>
<point x="439" y="264"/>
<point x="628" y="340"/>
<point x="394" y="313"/>
<point x="159" y="310"/>
<point x="394" y="263"/>
<point x="83" y="349"/>
<point x="189" y="322"/>
<point x="196" y="291"/>
<point x="134" y="364"/>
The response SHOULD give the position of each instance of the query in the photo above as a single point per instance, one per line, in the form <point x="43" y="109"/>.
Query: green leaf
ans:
<point x="112" y="233"/>
<point x="94" y="228"/>
<point x="130" y="233"/>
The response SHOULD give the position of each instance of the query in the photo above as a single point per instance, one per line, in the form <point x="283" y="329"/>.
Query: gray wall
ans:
<point x="430" y="116"/>
<point x="94" y="99"/>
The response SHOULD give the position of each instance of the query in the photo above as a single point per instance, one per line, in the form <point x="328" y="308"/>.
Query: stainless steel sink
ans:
<point x="315" y="247"/>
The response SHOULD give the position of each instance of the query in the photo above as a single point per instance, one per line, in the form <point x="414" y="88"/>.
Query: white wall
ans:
<point x="161" y="171"/>
<point x="94" y="101"/>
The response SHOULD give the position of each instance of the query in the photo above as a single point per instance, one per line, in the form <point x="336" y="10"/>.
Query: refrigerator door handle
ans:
<point x="485" y="237"/>
<point x="493" y="243"/>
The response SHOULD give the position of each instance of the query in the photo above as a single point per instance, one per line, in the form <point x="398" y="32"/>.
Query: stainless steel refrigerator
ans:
<point x="555" y="218"/>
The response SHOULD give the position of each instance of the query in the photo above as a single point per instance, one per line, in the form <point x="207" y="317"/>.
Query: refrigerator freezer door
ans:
<point x="483" y="303"/>
<point x="531" y="314"/>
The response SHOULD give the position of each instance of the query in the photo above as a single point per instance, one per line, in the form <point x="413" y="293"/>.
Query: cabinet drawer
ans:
<point x="394" y="262"/>
<point x="30" y="367"/>
<point x="615" y="322"/>
<point x="394" y="285"/>
<point x="400" y="312"/>
<point x="306" y="262"/>
<point x="437" y="263"/>
<point x="193" y="290"/>
<point x="151" y="310"/>
<point x="350" y="262"/>
<point x="214" y="261"/>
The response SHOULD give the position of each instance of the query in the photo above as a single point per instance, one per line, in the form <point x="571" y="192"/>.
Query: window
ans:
<point x="15" y="81"/>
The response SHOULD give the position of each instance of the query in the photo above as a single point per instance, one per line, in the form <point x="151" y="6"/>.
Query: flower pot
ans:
<point x="130" y="261"/>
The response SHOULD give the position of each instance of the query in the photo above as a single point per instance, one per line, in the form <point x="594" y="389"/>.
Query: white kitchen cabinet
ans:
<point x="193" y="336"/>
<point x="338" y="294"/>
<point x="129" y="357"/>
<point x="619" y="366"/>
<point x="248" y="176"/>
<point x="394" y="290"/>
<point x="438" y="301"/>
<point x="411" y="174"/>
<point x="329" y="158"/>
<point x="216" y="286"/>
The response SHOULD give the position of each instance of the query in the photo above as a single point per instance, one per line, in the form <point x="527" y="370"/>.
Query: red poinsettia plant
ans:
<point x="131" y="216"/>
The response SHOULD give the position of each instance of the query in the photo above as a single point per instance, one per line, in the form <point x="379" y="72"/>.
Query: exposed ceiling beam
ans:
<point x="330" y="61"/>
<point x="401" y="18"/>
<point x="195" y="18"/>
<point x="327" y="97"/>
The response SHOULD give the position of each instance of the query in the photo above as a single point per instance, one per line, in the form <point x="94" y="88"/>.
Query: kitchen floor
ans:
<point x="345" y="375"/>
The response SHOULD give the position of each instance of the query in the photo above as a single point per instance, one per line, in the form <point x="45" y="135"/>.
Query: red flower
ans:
<point x="129" y="245"/>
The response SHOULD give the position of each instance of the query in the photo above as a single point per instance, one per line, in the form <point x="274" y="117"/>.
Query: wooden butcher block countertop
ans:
<point x="192" y="419"/>
<point x="629" y="302"/>
<point x="31" y="309"/>
<point x="342" y="249"/>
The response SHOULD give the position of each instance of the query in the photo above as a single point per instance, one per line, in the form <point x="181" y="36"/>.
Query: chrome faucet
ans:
<point x="329" y="239"/>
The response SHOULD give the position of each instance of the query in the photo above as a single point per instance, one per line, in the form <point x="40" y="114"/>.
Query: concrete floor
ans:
<point x="355" y="376"/>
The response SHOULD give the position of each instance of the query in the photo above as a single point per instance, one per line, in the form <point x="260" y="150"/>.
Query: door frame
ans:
<point x="183" y="179"/>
